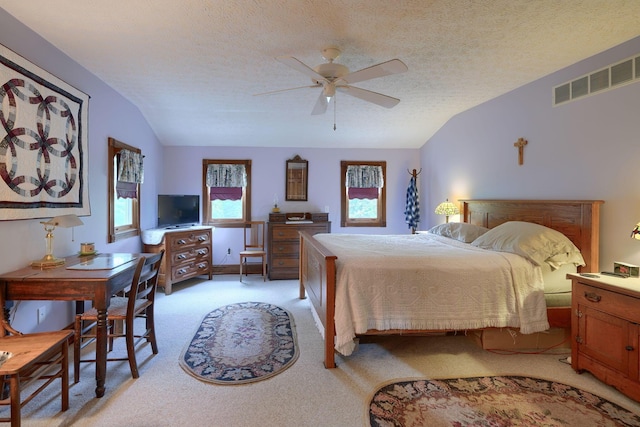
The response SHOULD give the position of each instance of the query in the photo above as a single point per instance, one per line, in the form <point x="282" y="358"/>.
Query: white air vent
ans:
<point x="615" y="75"/>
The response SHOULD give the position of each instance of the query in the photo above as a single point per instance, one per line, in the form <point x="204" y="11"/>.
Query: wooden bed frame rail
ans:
<point x="579" y="220"/>
<point x="318" y="279"/>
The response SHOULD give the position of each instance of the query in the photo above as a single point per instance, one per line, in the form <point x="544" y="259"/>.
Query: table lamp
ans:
<point x="635" y="233"/>
<point x="447" y="208"/>
<point x="64" y="221"/>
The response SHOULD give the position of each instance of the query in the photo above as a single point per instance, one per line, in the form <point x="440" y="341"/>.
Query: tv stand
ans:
<point x="188" y="252"/>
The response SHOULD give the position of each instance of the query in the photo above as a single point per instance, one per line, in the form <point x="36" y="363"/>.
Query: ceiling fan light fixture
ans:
<point x="329" y="91"/>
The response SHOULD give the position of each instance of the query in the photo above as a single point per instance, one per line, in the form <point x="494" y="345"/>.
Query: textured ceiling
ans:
<point x="193" y="66"/>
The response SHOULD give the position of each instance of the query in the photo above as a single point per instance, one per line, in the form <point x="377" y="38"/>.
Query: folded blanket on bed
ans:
<point x="430" y="282"/>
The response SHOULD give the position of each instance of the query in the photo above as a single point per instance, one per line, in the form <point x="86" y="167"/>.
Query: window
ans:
<point x="125" y="176"/>
<point x="363" y="194"/>
<point x="226" y="192"/>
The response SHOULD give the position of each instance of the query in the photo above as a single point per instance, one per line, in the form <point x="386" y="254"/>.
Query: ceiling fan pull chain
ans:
<point x="334" y="112"/>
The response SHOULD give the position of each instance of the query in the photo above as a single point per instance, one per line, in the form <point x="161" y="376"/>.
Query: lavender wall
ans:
<point x="110" y="115"/>
<point x="586" y="149"/>
<point x="183" y="174"/>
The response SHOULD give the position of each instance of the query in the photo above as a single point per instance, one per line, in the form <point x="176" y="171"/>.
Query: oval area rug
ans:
<point x="241" y="343"/>
<point x="492" y="401"/>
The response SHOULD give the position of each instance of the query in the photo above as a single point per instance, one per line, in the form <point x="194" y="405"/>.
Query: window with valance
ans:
<point x="363" y="195"/>
<point x="130" y="173"/>
<point x="364" y="181"/>
<point x="226" y="181"/>
<point x="126" y="173"/>
<point x="226" y="192"/>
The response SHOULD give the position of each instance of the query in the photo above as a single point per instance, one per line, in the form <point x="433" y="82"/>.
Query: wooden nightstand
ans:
<point x="605" y="330"/>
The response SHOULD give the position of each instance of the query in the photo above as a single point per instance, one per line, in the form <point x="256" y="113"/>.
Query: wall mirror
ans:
<point x="296" y="175"/>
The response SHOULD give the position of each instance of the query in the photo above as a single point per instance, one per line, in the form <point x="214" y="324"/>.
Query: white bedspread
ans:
<point x="430" y="282"/>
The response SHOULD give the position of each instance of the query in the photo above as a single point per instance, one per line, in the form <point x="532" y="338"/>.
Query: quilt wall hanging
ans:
<point x="43" y="143"/>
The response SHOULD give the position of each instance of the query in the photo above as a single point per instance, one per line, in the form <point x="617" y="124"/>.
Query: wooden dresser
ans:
<point x="187" y="254"/>
<point x="283" y="241"/>
<point x="605" y="328"/>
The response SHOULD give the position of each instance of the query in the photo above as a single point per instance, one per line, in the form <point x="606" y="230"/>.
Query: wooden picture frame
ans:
<point x="297" y="183"/>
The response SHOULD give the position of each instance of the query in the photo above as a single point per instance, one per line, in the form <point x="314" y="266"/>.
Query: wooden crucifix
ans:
<point x="520" y="144"/>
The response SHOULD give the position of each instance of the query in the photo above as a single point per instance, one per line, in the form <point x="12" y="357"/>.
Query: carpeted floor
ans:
<point x="306" y="394"/>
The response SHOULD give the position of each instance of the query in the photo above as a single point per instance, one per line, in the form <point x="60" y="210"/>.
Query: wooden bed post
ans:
<point x="330" y="321"/>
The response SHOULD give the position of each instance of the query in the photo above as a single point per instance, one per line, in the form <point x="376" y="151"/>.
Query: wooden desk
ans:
<point x="63" y="284"/>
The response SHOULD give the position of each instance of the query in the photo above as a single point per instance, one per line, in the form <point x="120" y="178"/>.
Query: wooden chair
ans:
<point x="137" y="303"/>
<point x="36" y="361"/>
<point x="254" y="236"/>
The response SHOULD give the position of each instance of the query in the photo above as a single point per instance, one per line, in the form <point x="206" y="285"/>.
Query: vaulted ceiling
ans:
<point x="192" y="67"/>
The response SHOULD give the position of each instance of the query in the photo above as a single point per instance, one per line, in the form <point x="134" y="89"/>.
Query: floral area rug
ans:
<point x="241" y="343"/>
<point x="492" y="401"/>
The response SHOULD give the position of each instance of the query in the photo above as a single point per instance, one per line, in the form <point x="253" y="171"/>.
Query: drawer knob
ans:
<point x="592" y="296"/>
<point x="629" y="348"/>
<point x="202" y="238"/>
<point x="181" y="256"/>
<point x="181" y="271"/>
<point x="181" y="242"/>
<point x="202" y="252"/>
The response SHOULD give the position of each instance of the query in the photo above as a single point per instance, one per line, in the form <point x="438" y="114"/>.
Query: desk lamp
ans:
<point x="447" y="208"/>
<point x="64" y="221"/>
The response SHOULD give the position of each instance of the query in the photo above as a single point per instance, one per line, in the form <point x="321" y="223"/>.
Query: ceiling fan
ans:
<point x="332" y="77"/>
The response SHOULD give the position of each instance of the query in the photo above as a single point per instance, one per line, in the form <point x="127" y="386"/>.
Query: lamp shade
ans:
<point x="447" y="208"/>
<point x="64" y="221"/>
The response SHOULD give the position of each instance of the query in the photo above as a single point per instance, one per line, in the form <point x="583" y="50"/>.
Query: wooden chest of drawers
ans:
<point x="187" y="254"/>
<point x="283" y="242"/>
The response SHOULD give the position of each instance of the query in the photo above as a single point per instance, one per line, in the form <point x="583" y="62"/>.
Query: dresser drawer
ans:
<point x="284" y="263"/>
<point x="187" y="239"/>
<point x="187" y="255"/>
<point x="603" y="300"/>
<point x="195" y="268"/>
<point x="285" y="233"/>
<point x="285" y="249"/>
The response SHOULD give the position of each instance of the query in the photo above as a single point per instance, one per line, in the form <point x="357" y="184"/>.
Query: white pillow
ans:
<point x="535" y="242"/>
<point x="462" y="231"/>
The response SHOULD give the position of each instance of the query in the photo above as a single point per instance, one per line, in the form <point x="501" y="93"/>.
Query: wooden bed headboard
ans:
<point x="579" y="220"/>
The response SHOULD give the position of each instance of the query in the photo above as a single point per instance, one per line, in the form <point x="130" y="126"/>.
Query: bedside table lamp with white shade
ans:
<point x="447" y="208"/>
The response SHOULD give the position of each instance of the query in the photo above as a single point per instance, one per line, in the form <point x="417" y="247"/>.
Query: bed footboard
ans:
<point x="318" y="283"/>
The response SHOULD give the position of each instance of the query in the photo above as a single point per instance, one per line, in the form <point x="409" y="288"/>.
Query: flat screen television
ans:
<point x="178" y="210"/>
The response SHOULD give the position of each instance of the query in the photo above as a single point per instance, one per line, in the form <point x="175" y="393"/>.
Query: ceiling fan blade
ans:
<point x="298" y="65"/>
<point x="393" y="66"/>
<point x="369" y="96"/>
<point x="321" y="105"/>
<point x="286" y="90"/>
